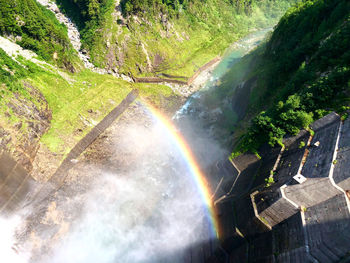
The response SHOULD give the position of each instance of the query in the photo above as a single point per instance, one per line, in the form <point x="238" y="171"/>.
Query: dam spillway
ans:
<point x="128" y="195"/>
<point x="15" y="184"/>
<point x="144" y="202"/>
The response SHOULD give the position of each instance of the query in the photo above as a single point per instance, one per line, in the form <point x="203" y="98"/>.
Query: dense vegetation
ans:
<point x="175" y="7"/>
<point x="200" y="29"/>
<point x="33" y="27"/>
<point x="88" y="15"/>
<point x="10" y="71"/>
<point x="303" y="71"/>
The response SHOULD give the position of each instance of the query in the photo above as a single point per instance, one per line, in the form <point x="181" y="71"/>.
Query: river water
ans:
<point x="232" y="55"/>
<point x="140" y="202"/>
<point x="208" y="118"/>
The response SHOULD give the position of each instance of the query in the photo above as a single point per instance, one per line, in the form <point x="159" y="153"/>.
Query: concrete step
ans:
<point x="339" y="244"/>
<point x="329" y="252"/>
<point x="320" y="255"/>
<point x="297" y="255"/>
<point x="339" y="252"/>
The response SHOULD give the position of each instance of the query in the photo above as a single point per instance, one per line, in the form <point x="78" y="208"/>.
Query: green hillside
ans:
<point x="177" y="36"/>
<point x="303" y="72"/>
<point x="141" y="38"/>
<point x="35" y="28"/>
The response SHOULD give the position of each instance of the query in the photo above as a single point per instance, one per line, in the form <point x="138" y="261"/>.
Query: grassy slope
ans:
<point x="10" y="88"/>
<point x="70" y="103"/>
<point x="69" y="96"/>
<point x="77" y="101"/>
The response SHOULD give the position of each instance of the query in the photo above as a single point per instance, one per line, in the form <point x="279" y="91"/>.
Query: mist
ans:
<point x="8" y="245"/>
<point x="143" y="206"/>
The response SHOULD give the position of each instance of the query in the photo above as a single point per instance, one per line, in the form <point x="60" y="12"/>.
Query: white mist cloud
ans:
<point x="150" y="212"/>
<point x="9" y="252"/>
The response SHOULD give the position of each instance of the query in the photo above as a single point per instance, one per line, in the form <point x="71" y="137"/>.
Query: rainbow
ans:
<point x="190" y="159"/>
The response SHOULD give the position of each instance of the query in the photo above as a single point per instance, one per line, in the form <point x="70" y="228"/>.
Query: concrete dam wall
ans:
<point x="18" y="188"/>
<point x="290" y="220"/>
<point x="15" y="184"/>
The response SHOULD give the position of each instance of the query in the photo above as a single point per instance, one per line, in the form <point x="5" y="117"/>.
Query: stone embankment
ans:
<point x="203" y="69"/>
<point x="173" y="79"/>
<point x="158" y="80"/>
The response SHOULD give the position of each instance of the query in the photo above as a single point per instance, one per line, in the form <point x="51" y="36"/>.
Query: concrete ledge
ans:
<point x="170" y="78"/>
<point x="158" y="80"/>
<point x="325" y="121"/>
<point x="312" y="192"/>
<point x="201" y="69"/>
<point x="341" y="173"/>
<point x="328" y="228"/>
<point x="272" y="208"/>
<point x="310" y="221"/>
<point x="319" y="159"/>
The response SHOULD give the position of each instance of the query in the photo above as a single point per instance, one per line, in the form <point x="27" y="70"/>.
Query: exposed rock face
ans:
<point x="15" y="184"/>
<point x="74" y="37"/>
<point x="240" y="101"/>
<point x="73" y="33"/>
<point x="31" y="120"/>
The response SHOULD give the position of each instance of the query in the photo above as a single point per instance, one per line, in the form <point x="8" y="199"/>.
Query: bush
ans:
<point x="88" y="15"/>
<point x="269" y="181"/>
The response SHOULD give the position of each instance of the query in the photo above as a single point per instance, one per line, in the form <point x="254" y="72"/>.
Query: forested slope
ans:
<point x="148" y="37"/>
<point x="33" y="27"/>
<point x="303" y="72"/>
